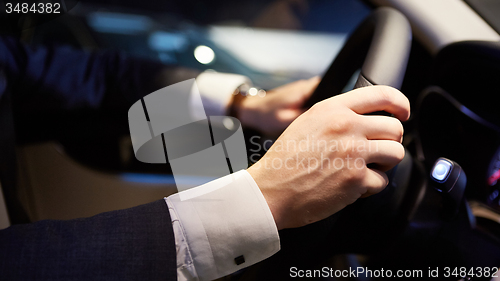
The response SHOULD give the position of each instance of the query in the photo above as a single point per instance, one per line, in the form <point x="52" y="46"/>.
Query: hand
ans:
<point x="274" y="112"/>
<point x="319" y="164"/>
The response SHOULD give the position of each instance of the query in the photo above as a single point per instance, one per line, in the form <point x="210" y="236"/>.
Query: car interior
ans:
<point x="443" y="55"/>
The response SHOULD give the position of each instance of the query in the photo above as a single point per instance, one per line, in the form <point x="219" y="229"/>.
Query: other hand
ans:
<point x="274" y="112"/>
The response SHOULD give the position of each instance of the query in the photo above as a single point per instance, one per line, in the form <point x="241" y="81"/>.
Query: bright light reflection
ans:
<point x="204" y="54"/>
<point x="252" y="91"/>
<point x="441" y="170"/>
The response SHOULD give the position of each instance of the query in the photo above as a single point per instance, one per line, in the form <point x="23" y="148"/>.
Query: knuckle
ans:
<point x="342" y="126"/>
<point x="393" y="96"/>
<point x="382" y="186"/>
<point x="356" y="175"/>
<point x="346" y="121"/>
<point x="398" y="126"/>
<point x="389" y="95"/>
<point x="399" y="152"/>
<point x="384" y="93"/>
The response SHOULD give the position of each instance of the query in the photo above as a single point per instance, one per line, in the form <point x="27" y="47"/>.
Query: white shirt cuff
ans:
<point x="224" y="230"/>
<point x="216" y="90"/>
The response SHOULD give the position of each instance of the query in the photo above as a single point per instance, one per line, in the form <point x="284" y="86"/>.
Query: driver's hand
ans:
<point x="319" y="164"/>
<point x="274" y="112"/>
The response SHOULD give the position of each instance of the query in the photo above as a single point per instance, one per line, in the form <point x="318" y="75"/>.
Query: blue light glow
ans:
<point x="167" y="41"/>
<point x="119" y="23"/>
<point x="147" y="178"/>
<point x="441" y="170"/>
<point x="165" y="179"/>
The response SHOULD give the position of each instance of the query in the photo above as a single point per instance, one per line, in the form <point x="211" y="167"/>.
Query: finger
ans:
<point x="385" y="154"/>
<point x="312" y="83"/>
<point x="375" y="181"/>
<point x="286" y="116"/>
<point x="308" y="87"/>
<point x="377" y="98"/>
<point x="305" y="90"/>
<point x="382" y="128"/>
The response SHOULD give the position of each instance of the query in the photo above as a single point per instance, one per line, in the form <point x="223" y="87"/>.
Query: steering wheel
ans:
<point x="380" y="47"/>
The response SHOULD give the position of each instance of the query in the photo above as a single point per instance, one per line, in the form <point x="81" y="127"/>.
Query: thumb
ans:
<point x="288" y="115"/>
<point x="308" y="87"/>
<point x="312" y="84"/>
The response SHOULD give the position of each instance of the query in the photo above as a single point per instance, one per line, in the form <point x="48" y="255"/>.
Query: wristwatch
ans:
<point x="239" y="94"/>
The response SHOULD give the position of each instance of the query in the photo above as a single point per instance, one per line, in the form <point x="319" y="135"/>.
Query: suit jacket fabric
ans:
<point x="132" y="244"/>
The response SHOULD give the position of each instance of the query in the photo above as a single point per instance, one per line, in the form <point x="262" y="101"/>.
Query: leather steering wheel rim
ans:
<point x="380" y="46"/>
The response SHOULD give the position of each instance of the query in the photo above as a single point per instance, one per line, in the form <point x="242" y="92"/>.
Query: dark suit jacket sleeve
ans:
<point x="46" y="78"/>
<point x="132" y="244"/>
